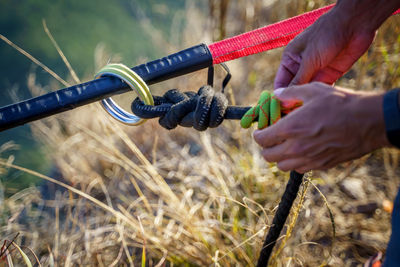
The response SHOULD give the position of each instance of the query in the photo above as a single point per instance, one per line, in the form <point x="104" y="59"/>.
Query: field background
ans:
<point x="148" y="196"/>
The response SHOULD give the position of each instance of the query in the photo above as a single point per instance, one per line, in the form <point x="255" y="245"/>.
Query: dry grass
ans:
<point x="186" y="198"/>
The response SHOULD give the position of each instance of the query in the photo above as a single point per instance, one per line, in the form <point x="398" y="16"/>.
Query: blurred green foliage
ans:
<point x="78" y="27"/>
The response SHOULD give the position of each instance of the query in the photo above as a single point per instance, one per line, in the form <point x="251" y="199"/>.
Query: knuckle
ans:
<point x="308" y="149"/>
<point x="317" y="130"/>
<point x="295" y="150"/>
<point x="286" y="130"/>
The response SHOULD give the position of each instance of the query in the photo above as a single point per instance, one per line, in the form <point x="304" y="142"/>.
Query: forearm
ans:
<point x="366" y="14"/>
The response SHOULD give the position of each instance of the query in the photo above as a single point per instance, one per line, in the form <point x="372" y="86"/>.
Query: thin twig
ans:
<point x="34" y="60"/>
<point x="3" y="251"/>
<point x="60" y="52"/>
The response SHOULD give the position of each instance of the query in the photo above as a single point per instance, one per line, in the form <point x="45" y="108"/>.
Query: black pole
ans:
<point x="183" y="62"/>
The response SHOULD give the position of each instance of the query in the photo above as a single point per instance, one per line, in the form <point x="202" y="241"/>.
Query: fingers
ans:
<point x="288" y="127"/>
<point x="294" y="142"/>
<point x="304" y="163"/>
<point x="303" y="93"/>
<point x="298" y="164"/>
<point x="283" y="77"/>
<point x="305" y="73"/>
<point x="289" y="66"/>
<point x="286" y="150"/>
<point x="277" y="133"/>
<point x="291" y="94"/>
<point x="303" y="155"/>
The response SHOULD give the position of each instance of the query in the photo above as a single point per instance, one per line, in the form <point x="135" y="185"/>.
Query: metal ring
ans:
<point x="135" y="82"/>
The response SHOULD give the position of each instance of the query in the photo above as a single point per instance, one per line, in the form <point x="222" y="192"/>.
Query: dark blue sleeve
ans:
<point x="392" y="258"/>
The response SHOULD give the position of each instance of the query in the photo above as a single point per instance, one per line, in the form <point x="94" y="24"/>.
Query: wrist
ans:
<point x="368" y="115"/>
<point x="365" y="15"/>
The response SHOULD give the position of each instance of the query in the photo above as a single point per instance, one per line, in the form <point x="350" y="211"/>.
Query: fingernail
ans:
<point x="279" y="91"/>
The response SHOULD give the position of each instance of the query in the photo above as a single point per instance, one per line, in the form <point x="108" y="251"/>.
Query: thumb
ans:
<point x="293" y="95"/>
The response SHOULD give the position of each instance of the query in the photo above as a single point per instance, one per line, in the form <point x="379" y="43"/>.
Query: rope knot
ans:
<point x="200" y="110"/>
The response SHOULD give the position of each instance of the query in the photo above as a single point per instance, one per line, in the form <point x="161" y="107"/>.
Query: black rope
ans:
<point x="200" y="110"/>
<point x="281" y="214"/>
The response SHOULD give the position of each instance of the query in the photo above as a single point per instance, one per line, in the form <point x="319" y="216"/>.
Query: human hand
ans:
<point x="332" y="126"/>
<point x="325" y="50"/>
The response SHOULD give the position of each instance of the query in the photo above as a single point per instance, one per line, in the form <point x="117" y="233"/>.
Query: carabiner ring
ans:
<point x="135" y="82"/>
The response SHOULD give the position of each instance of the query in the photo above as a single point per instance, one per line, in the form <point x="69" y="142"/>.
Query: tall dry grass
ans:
<point x="184" y="198"/>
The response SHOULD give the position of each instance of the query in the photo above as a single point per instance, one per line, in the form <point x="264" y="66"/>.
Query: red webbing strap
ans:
<point x="265" y="38"/>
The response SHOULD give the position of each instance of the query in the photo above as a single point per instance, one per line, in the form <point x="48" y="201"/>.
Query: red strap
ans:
<point x="266" y="38"/>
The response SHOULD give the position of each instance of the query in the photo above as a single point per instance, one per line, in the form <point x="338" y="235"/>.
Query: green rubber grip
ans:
<point x="267" y="111"/>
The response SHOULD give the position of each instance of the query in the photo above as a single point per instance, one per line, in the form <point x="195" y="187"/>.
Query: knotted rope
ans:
<point x="200" y="110"/>
<point x="208" y="108"/>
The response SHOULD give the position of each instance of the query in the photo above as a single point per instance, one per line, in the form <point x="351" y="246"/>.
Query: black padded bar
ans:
<point x="183" y="62"/>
